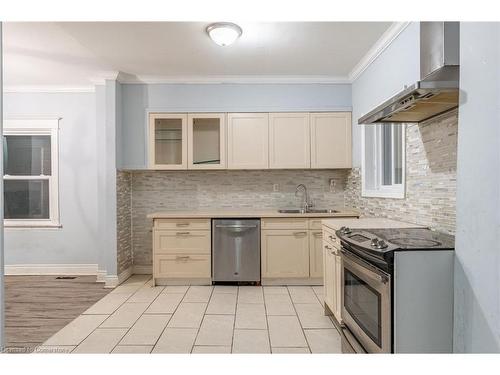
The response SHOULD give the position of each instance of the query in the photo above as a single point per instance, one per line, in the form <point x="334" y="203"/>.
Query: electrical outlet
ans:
<point x="331" y="183"/>
<point x="276" y="187"/>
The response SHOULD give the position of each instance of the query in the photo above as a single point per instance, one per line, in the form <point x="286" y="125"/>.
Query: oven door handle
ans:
<point x="378" y="274"/>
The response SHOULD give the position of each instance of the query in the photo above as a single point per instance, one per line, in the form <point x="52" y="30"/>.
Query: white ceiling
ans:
<point x="77" y="53"/>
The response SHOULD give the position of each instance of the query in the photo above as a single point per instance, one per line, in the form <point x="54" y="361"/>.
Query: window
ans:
<point x="383" y="161"/>
<point x="30" y="173"/>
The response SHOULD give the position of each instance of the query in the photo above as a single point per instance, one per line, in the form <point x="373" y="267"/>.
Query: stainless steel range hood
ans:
<point x="437" y="91"/>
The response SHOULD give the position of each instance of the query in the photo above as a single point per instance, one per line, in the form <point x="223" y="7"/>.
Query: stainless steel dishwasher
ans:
<point x="236" y="250"/>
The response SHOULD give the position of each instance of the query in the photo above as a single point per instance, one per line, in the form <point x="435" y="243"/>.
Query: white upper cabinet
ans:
<point x="331" y="140"/>
<point x="289" y="140"/>
<point x="207" y="141"/>
<point x="248" y="141"/>
<point x="167" y="141"/>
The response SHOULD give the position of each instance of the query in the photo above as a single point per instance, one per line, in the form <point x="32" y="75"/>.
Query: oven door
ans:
<point x="366" y="307"/>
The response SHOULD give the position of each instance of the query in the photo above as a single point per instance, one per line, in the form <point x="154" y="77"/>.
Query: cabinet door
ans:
<point x="329" y="276"/>
<point x="167" y="141"/>
<point x="315" y="253"/>
<point x="289" y="140"/>
<point x="338" y="288"/>
<point x="285" y="254"/>
<point x="248" y="141"/>
<point x="207" y="141"/>
<point x="331" y="140"/>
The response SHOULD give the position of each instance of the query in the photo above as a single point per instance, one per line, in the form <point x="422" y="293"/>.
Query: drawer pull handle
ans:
<point x="317" y="234"/>
<point x="299" y="233"/>
<point x="182" y="224"/>
<point x="332" y="238"/>
<point x="328" y="247"/>
<point x="182" y="233"/>
<point x="186" y="257"/>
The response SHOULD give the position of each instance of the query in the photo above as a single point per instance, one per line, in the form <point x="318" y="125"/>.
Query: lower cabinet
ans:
<point x="291" y="249"/>
<point x="315" y="254"/>
<point x="329" y="277"/>
<point x="182" y="251"/>
<point x="332" y="274"/>
<point x="285" y="253"/>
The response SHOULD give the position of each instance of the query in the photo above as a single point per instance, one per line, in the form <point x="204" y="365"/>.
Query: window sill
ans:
<point x="383" y="194"/>
<point x="26" y="225"/>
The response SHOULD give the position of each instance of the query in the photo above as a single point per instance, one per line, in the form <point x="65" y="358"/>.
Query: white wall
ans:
<point x="477" y="266"/>
<point x="77" y="241"/>
<point x="136" y="100"/>
<point x="398" y="65"/>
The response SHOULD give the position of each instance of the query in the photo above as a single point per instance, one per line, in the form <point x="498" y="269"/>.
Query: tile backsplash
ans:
<point x="431" y="179"/>
<point x="154" y="191"/>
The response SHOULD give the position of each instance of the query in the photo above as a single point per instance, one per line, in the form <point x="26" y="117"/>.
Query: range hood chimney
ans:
<point x="437" y="90"/>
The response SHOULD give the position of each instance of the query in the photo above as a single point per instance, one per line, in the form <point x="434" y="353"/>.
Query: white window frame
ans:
<point x="38" y="126"/>
<point x="383" y="191"/>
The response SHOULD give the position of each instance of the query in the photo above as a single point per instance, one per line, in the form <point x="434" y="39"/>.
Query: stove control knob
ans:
<point x="381" y="244"/>
<point x="374" y="242"/>
<point x="347" y="230"/>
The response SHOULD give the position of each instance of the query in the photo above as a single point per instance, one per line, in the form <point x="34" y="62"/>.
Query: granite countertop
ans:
<point x="245" y="213"/>
<point x="368" y="222"/>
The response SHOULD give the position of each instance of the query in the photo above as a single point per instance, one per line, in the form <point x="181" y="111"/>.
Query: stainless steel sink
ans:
<point x="322" y="211"/>
<point x="310" y="211"/>
<point x="292" y="211"/>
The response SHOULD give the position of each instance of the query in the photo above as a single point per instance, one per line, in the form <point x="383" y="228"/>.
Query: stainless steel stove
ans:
<point x="397" y="290"/>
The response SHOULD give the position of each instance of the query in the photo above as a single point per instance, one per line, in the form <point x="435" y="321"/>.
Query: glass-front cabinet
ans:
<point x="207" y="141"/>
<point x="168" y="141"/>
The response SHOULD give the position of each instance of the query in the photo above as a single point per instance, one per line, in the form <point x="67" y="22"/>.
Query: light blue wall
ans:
<point x="398" y="65"/>
<point x="77" y="240"/>
<point x="477" y="266"/>
<point x="138" y="99"/>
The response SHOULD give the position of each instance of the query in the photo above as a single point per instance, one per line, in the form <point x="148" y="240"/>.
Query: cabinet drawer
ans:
<point x="315" y="224"/>
<point x="182" y="224"/>
<point x="182" y="266"/>
<point x="331" y="237"/>
<point x="181" y="242"/>
<point x="284" y="223"/>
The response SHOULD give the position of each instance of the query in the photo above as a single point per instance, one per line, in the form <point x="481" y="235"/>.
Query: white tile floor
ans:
<point x="137" y="318"/>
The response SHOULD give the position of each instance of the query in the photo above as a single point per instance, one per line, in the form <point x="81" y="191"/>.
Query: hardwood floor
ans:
<point x="36" y="307"/>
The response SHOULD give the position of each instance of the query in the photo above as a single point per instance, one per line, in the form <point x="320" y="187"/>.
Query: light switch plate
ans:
<point x="276" y="187"/>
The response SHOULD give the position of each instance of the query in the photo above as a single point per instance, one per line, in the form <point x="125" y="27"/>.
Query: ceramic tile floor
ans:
<point x="137" y="318"/>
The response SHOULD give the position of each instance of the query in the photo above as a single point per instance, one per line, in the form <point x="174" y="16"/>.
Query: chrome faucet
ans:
<point x="307" y="202"/>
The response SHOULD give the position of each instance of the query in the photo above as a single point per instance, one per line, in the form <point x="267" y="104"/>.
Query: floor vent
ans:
<point x="65" y="277"/>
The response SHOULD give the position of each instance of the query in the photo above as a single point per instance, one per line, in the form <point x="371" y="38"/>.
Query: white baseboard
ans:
<point x="51" y="269"/>
<point x="142" y="270"/>
<point x="111" y="281"/>
<point x="101" y="276"/>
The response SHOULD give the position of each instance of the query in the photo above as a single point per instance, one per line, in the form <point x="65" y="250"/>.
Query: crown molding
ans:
<point x="101" y="78"/>
<point x="380" y="45"/>
<point x="47" y="89"/>
<point x="239" y="79"/>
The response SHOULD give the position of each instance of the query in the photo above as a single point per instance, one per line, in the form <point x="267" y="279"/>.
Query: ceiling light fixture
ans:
<point x="224" y="33"/>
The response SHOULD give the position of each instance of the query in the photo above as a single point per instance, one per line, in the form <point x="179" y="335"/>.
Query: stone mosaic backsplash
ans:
<point x="124" y="220"/>
<point x="154" y="191"/>
<point x="431" y="179"/>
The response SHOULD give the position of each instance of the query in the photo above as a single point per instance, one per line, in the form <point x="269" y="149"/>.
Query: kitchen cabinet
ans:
<point x="331" y="140"/>
<point x="285" y="253"/>
<point x="167" y="141"/>
<point x="291" y="248"/>
<point x="315" y="253"/>
<point x="332" y="273"/>
<point x="248" y="141"/>
<point x="289" y="141"/>
<point x="182" y="251"/>
<point x="329" y="271"/>
<point x="207" y="141"/>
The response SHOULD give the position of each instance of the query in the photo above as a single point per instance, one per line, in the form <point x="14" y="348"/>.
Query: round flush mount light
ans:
<point x="224" y="33"/>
